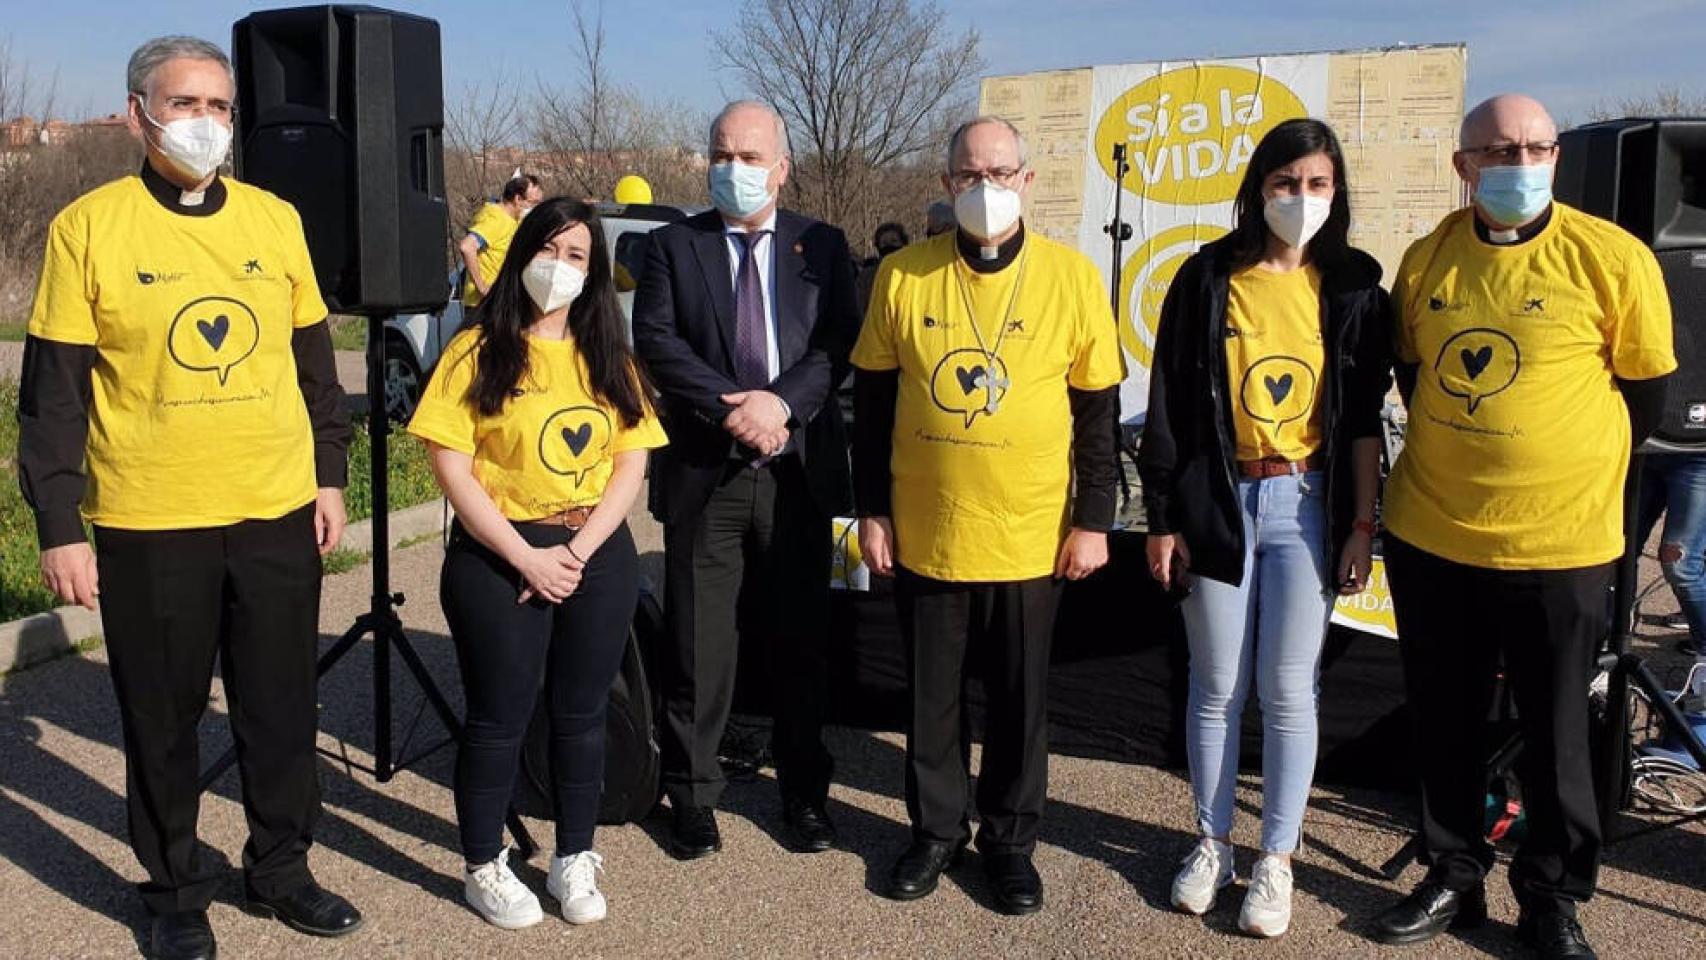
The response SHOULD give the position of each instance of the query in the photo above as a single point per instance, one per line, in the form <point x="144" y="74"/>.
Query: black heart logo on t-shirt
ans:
<point x="968" y="378"/>
<point x="1474" y="363"/>
<point x="578" y="438"/>
<point x="1278" y="389"/>
<point x="214" y="333"/>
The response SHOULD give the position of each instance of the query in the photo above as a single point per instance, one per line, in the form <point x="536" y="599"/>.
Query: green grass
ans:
<point x="21" y="590"/>
<point x="407" y="466"/>
<point x="343" y="561"/>
<point x="348" y="333"/>
<point x="12" y="330"/>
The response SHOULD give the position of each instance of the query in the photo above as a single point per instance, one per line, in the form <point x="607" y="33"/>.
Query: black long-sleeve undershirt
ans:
<point x="54" y="398"/>
<point x="1095" y="465"/>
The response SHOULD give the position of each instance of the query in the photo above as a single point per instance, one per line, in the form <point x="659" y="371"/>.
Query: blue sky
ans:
<point x="1571" y="55"/>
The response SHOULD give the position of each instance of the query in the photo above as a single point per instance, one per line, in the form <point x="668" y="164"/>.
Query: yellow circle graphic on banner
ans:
<point x="1189" y="133"/>
<point x="1148" y="272"/>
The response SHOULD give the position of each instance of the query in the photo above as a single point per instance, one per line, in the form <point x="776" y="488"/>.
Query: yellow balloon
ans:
<point x="633" y="189"/>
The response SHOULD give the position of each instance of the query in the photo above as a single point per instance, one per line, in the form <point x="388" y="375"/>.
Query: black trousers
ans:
<point x="1002" y="632"/>
<point x="507" y="652"/>
<point x="761" y="532"/>
<point x="1455" y="623"/>
<point x="171" y="600"/>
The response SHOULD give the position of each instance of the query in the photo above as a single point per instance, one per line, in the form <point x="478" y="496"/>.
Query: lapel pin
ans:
<point x="799" y="249"/>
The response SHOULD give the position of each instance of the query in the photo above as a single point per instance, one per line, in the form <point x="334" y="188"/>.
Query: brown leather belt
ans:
<point x="1277" y="467"/>
<point x="574" y="518"/>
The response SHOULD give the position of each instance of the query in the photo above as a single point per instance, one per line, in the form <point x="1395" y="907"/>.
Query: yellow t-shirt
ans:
<point x="982" y="465"/>
<point x="1275" y="354"/>
<point x="1518" y="439"/>
<point x="493" y="225"/>
<point x="553" y="446"/>
<point x="197" y="419"/>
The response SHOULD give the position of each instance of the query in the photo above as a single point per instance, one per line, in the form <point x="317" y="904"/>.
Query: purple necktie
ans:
<point x="752" y="337"/>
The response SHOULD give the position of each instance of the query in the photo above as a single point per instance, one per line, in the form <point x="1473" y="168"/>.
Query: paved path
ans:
<point x="1111" y="838"/>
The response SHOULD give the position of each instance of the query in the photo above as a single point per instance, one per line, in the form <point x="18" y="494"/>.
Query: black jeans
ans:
<point x="761" y="532"/>
<point x="1003" y="632"/>
<point x="171" y="600"/>
<point x="507" y="651"/>
<point x="1455" y="622"/>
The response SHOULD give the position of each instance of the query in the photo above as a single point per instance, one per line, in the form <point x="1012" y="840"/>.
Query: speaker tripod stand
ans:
<point x="381" y="621"/>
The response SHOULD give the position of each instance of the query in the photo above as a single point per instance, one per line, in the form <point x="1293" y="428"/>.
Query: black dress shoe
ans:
<point x="310" y="909"/>
<point x="1430" y="910"/>
<point x="1554" y="936"/>
<point x="694" y="834"/>
<point x="1018" y="888"/>
<point x="916" y="872"/>
<point x="809" y="829"/>
<point x="182" y="936"/>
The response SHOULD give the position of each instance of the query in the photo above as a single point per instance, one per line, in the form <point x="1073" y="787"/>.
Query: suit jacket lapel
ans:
<point x="712" y="249"/>
<point x="792" y="325"/>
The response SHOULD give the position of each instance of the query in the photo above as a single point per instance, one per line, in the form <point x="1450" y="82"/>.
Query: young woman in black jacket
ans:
<point x="1260" y="467"/>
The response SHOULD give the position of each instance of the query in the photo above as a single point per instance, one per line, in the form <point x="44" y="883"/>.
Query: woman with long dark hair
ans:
<point x="539" y="420"/>
<point x="1260" y="467"/>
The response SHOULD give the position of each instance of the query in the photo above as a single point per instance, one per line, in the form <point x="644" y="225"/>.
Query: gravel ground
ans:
<point x="1111" y="838"/>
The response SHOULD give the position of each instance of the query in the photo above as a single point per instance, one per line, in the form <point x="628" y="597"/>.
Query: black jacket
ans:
<point x="1187" y="459"/>
<point x="684" y="331"/>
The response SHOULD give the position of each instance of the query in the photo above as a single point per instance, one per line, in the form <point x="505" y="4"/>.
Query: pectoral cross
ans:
<point x="996" y="385"/>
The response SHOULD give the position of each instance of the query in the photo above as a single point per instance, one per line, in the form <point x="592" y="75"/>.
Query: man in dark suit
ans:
<point x="745" y="316"/>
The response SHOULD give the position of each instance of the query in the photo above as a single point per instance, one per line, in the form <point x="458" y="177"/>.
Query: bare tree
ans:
<point x="864" y="85"/>
<point x="482" y="129"/>
<point x="37" y="178"/>
<point x="1665" y="101"/>
<point x="597" y="130"/>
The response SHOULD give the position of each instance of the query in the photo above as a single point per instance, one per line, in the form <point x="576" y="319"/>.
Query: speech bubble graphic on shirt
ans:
<point x="213" y="334"/>
<point x="968" y="382"/>
<point x="1277" y="390"/>
<point x="573" y="441"/>
<point x="1477" y="363"/>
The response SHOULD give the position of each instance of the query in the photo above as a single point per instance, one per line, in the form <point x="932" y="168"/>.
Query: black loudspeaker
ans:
<point x="1649" y="177"/>
<point x="1684" y="423"/>
<point x="1646" y="175"/>
<point x="340" y="110"/>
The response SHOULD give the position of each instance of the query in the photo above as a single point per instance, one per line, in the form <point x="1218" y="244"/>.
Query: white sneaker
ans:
<point x="1206" y="870"/>
<point x="500" y="897"/>
<point x="574" y="882"/>
<point x="1267" y="904"/>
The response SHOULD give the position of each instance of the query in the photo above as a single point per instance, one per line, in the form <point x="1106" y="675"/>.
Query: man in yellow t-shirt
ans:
<point x="979" y="349"/>
<point x="1533" y="343"/>
<point x="179" y="390"/>
<point x="487" y="241"/>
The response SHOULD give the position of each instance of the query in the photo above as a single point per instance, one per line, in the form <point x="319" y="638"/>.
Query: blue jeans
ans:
<point x="1675" y="483"/>
<point x="1271" y="628"/>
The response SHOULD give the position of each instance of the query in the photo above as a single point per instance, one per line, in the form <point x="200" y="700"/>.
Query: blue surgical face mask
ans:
<point x="740" y="190"/>
<point x="1514" y="195"/>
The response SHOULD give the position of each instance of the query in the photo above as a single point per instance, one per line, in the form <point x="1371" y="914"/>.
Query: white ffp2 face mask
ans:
<point x="552" y="283"/>
<point x="195" y="145"/>
<point x="1295" y="219"/>
<point x="987" y="210"/>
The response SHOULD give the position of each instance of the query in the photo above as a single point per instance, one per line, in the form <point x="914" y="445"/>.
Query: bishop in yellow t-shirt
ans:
<point x="1518" y="437"/>
<point x="982" y="443"/>
<point x="196" y="418"/>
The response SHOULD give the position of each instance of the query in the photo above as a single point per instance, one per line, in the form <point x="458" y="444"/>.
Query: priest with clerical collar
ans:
<point x="979" y="348"/>
<point x="179" y="394"/>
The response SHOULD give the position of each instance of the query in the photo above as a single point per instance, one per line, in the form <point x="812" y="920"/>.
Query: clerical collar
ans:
<point x="178" y="200"/>
<point x="984" y="259"/>
<point x="1506" y="238"/>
